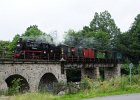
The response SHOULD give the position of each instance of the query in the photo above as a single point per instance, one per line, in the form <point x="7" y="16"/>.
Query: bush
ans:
<point x="86" y="83"/>
<point x="15" y="88"/>
<point x="119" y="82"/>
<point x="73" y="87"/>
<point x="125" y="69"/>
<point x="136" y="79"/>
<point x="58" y="87"/>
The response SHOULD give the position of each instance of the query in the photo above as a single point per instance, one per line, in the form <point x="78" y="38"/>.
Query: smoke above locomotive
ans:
<point x="40" y="39"/>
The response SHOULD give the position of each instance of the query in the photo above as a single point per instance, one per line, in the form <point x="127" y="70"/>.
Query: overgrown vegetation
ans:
<point x="15" y="88"/>
<point x="90" y="88"/>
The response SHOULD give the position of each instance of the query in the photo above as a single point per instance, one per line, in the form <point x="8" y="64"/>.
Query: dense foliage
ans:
<point x="4" y="44"/>
<point x="12" y="45"/>
<point x="129" y="42"/>
<point x="33" y="31"/>
<point x="100" y="34"/>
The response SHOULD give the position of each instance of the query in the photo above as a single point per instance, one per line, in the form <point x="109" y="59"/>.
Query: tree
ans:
<point x="129" y="41"/>
<point x="4" y="45"/>
<point x="12" y="45"/>
<point x="72" y="38"/>
<point x="102" y="39"/>
<point x="33" y="31"/>
<point x="100" y="34"/>
<point x="3" y="48"/>
<point x="104" y="22"/>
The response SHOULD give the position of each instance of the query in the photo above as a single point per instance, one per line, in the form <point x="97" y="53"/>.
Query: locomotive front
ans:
<point x="18" y="50"/>
<point x="35" y="48"/>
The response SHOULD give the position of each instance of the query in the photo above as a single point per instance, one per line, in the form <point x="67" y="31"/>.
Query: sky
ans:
<point x="61" y="15"/>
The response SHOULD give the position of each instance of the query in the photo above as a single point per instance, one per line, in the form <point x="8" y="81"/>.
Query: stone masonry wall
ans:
<point x="31" y="72"/>
<point x="92" y="73"/>
<point x="111" y="72"/>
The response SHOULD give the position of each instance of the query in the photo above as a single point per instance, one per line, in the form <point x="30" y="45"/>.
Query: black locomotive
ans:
<point x="40" y="49"/>
<point x="34" y="49"/>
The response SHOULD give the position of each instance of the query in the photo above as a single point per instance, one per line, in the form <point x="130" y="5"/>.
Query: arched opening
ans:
<point x="47" y="82"/>
<point x="17" y="82"/>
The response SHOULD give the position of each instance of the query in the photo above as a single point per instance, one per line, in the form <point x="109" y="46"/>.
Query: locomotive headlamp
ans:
<point x="44" y="52"/>
<point x="51" y="50"/>
<point x="18" y="45"/>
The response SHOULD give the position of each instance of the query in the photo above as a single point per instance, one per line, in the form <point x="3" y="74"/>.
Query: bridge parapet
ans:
<point x="90" y="65"/>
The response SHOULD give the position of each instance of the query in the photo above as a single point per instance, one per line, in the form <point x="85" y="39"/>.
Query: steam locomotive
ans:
<point x="34" y="49"/>
<point x="41" y="50"/>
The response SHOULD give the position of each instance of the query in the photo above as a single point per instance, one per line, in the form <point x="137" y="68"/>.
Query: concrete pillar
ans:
<point x="96" y="73"/>
<point x="111" y="72"/>
<point x="62" y="77"/>
<point x="92" y="73"/>
<point x="83" y="71"/>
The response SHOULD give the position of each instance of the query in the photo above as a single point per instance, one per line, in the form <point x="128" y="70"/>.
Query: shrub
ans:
<point x="73" y="87"/>
<point x="61" y="86"/>
<point x="86" y="83"/>
<point x="15" y="88"/>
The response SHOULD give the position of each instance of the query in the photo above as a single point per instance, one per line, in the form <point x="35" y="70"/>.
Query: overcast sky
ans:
<point x="61" y="15"/>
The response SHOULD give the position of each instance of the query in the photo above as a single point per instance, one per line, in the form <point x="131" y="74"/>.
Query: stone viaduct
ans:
<point x="36" y="75"/>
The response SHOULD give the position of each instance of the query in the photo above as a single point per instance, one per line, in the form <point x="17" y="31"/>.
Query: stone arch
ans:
<point x="24" y="85"/>
<point x="47" y="81"/>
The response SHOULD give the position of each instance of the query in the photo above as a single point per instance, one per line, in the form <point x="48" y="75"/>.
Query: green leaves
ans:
<point x="33" y="31"/>
<point x="129" y="41"/>
<point x="4" y="44"/>
<point x="100" y="34"/>
<point x="72" y="38"/>
<point x="104" y="22"/>
<point x="12" y="45"/>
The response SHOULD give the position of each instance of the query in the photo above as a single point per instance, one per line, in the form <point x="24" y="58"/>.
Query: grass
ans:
<point x="115" y="86"/>
<point x="92" y="94"/>
<point x="33" y="96"/>
<point x="78" y="96"/>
